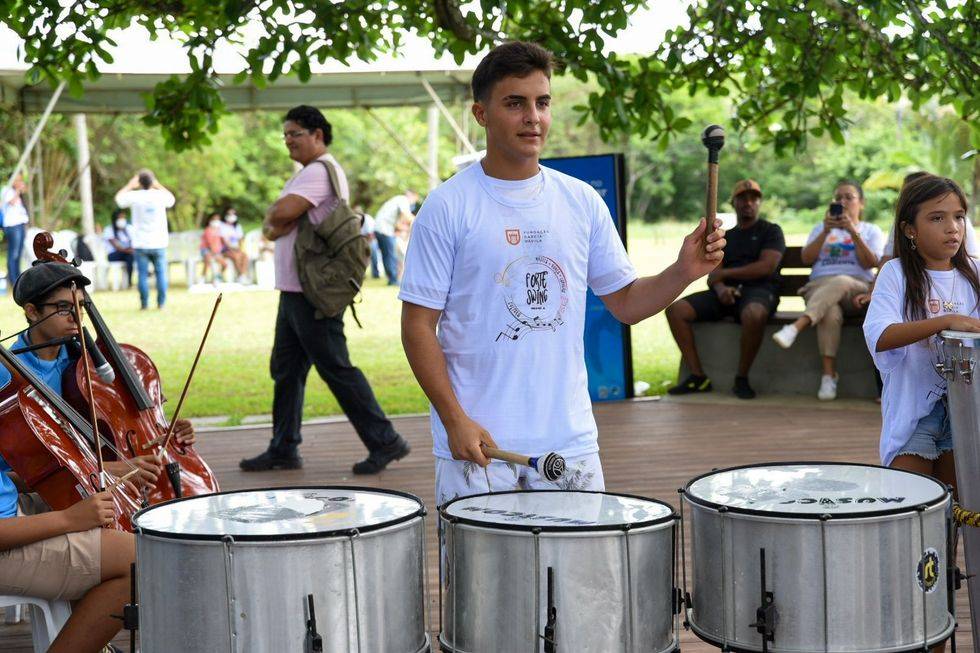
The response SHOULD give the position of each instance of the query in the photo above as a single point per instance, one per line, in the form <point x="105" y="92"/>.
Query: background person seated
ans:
<point x="744" y="288"/>
<point x="119" y="243"/>
<point x="843" y="251"/>
<point x="213" y="246"/>
<point x="233" y="234"/>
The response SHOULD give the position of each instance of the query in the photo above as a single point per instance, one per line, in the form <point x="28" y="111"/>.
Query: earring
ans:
<point x="912" y="241"/>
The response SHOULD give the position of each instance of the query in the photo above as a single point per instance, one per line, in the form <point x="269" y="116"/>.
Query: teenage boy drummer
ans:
<point x="494" y="293"/>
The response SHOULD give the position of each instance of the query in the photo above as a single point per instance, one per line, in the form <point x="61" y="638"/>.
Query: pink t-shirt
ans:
<point x="313" y="184"/>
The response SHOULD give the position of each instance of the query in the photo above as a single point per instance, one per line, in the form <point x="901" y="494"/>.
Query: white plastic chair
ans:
<point x="47" y="617"/>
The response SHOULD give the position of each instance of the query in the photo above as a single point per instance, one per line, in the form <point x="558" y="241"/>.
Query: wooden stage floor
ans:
<point x="649" y="448"/>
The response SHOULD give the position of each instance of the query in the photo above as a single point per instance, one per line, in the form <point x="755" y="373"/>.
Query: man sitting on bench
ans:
<point x="745" y="288"/>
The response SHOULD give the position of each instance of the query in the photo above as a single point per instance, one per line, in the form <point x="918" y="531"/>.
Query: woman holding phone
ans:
<point x="842" y="250"/>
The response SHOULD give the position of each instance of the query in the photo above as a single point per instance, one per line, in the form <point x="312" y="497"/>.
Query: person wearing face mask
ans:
<point x="233" y="234"/>
<point x="119" y="243"/>
<point x="213" y="246"/>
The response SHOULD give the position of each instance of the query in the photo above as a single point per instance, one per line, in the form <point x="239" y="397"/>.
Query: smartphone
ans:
<point x="836" y="210"/>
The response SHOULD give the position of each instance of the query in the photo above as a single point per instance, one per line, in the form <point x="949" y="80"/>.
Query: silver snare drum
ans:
<point x="819" y="557"/>
<point x="553" y="570"/>
<point x="233" y="571"/>
<point x="961" y="350"/>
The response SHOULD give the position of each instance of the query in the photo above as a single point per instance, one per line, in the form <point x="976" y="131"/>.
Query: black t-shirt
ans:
<point x="745" y="246"/>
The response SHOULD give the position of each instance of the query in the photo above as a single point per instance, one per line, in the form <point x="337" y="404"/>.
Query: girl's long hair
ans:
<point x="917" y="283"/>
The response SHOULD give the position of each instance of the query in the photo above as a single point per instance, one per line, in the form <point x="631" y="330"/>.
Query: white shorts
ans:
<point x="460" y="478"/>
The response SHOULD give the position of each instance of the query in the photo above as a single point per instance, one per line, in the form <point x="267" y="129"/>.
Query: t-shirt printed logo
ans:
<point x="837" y="250"/>
<point x="933" y="306"/>
<point x="513" y="236"/>
<point x="535" y="291"/>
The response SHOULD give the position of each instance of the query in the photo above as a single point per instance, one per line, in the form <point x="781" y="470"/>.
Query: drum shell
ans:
<point x="248" y="597"/>
<point x="875" y="603"/>
<point x="489" y="577"/>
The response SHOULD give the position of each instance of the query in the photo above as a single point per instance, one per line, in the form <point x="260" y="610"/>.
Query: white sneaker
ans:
<point x="786" y="336"/>
<point x="828" y="388"/>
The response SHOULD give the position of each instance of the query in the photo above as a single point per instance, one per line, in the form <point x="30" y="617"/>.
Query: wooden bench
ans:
<point x="778" y="371"/>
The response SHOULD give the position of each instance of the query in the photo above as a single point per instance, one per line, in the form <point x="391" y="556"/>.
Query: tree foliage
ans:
<point x="788" y="66"/>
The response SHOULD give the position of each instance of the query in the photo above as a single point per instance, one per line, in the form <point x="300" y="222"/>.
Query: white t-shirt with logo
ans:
<point x="912" y="384"/>
<point x="970" y="240"/>
<point x="839" y="253"/>
<point x="148" y="215"/>
<point x="509" y="271"/>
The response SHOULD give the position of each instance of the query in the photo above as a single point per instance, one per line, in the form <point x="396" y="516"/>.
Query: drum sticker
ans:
<point x="512" y="515"/>
<point x="927" y="571"/>
<point x="311" y="505"/>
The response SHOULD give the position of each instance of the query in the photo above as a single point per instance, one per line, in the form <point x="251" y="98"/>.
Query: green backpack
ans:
<point x="332" y="257"/>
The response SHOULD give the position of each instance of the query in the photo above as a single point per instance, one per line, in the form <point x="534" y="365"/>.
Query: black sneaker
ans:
<point x="268" y="460"/>
<point x="742" y="389"/>
<point x="690" y="385"/>
<point x="379" y="459"/>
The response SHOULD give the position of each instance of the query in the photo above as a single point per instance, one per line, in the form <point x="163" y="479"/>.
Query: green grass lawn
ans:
<point x="233" y="376"/>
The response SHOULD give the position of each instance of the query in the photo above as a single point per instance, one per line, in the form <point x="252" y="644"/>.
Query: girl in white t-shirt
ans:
<point x="932" y="285"/>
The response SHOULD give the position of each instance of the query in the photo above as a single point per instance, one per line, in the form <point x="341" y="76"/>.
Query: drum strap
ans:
<point x="965" y="517"/>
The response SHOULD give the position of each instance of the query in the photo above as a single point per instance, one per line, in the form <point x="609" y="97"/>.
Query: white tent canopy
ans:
<point x="415" y="78"/>
<point x="125" y="92"/>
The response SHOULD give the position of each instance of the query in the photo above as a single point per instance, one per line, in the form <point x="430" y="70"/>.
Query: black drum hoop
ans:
<point x="282" y="537"/>
<point x="454" y="519"/>
<point x="834" y="516"/>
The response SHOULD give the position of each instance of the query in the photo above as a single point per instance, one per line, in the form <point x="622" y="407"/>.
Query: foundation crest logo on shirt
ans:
<point x="933" y="305"/>
<point x="513" y="236"/>
<point x="535" y="291"/>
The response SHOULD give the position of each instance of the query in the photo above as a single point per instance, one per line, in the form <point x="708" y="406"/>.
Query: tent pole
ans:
<point x="433" y="146"/>
<point x="84" y="175"/>
<point x="448" y="116"/>
<point x="37" y="133"/>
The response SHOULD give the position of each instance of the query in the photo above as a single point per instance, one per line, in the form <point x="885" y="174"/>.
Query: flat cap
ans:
<point x="42" y="278"/>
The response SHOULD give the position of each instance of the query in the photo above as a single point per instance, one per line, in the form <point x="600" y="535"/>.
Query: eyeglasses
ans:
<point x="845" y="197"/>
<point x="65" y="307"/>
<point x="296" y="133"/>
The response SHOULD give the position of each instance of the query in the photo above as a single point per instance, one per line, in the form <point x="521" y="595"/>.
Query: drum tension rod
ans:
<point x="314" y="642"/>
<point x="131" y="611"/>
<point x="765" y="615"/>
<point x="550" y="643"/>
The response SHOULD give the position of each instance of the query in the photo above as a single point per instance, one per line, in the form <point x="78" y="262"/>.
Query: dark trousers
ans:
<point x="389" y="257"/>
<point x="301" y="342"/>
<point x="15" y="247"/>
<point x="127" y="258"/>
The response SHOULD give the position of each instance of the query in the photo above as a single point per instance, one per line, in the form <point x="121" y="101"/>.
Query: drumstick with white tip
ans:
<point x="551" y="465"/>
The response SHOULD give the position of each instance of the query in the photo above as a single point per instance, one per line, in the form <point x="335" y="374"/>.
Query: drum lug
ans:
<point x="966" y="370"/>
<point x="550" y="643"/>
<point x="314" y="642"/>
<point x="677" y="600"/>
<point x="765" y="614"/>
<point x="131" y="611"/>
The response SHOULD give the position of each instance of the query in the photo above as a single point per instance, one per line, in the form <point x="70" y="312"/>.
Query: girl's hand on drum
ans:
<point x="465" y="440"/>
<point x="962" y="323"/>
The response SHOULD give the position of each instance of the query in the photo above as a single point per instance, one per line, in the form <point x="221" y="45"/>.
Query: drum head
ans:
<point x="554" y="510"/>
<point x="278" y="514"/>
<point x="801" y="490"/>
<point x="968" y="338"/>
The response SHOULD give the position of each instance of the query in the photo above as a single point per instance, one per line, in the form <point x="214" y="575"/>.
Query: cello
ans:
<point x="51" y="447"/>
<point x="130" y="406"/>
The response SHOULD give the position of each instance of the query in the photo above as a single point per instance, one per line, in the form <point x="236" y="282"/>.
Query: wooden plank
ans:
<point x="649" y="448"/>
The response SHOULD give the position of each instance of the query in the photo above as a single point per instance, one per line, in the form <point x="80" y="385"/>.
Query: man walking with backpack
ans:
<point x="306" y="333"/>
